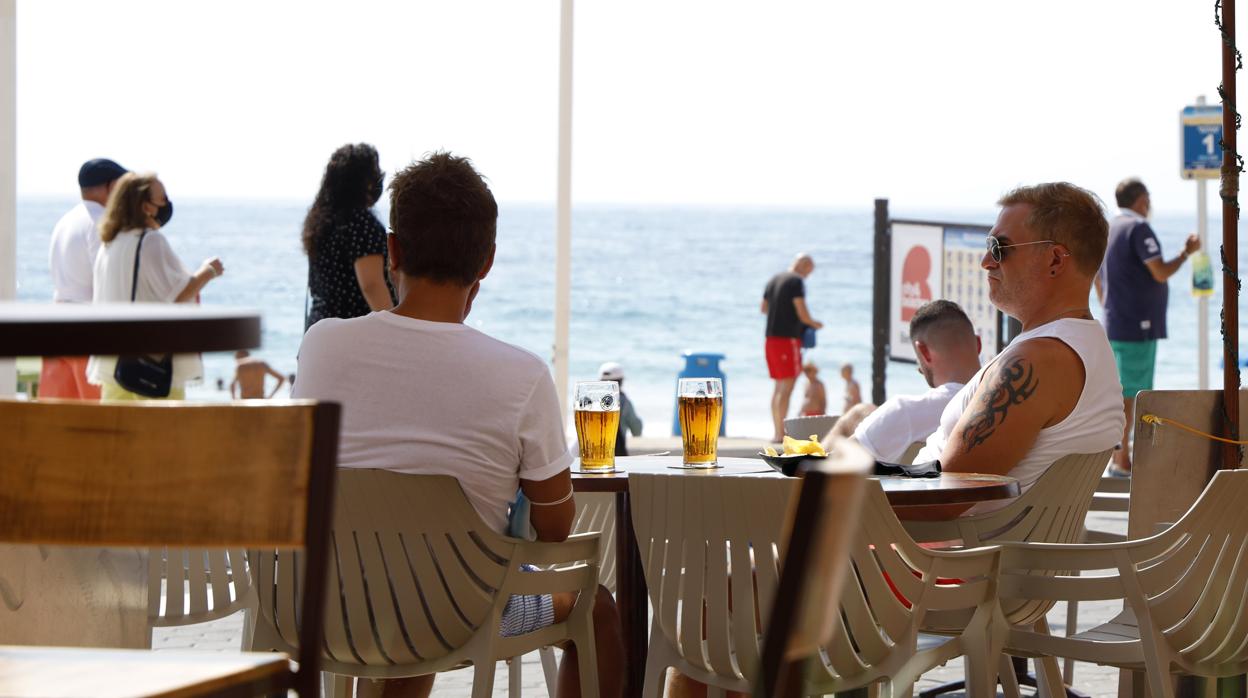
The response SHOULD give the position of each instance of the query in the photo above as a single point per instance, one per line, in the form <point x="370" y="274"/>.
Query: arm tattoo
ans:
<point x="1014" y="384"/>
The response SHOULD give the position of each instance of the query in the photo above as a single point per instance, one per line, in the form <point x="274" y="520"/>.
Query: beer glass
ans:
<point x="597" y="423"/>
<point x="701" y="405"/>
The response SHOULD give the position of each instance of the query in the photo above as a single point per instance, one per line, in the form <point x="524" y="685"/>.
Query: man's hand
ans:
<point x="1192" y="244"/>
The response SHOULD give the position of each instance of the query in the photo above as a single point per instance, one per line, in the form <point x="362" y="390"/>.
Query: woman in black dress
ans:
<point x="344" y="241"/>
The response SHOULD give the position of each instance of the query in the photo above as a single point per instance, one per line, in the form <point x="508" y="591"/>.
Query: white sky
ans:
<point x="932" y="104"/>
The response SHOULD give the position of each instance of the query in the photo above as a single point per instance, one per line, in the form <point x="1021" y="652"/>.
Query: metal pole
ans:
<point x="563" y="210"/>
<point x="880" y="306"/>
<point x="1202" y="303"/>
<point x="8" y="173"/>
<point x="1230" y="244"/>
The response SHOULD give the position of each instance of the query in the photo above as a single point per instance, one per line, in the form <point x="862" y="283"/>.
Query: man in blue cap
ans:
<point x="71" y="257"/>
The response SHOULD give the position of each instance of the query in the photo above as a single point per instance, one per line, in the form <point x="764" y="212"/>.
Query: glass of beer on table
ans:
<point x="701" y="405"/>
<point x="597" y="423"/>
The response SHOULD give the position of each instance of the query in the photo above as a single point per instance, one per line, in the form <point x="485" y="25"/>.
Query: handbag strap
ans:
<point x="138" y="252"/>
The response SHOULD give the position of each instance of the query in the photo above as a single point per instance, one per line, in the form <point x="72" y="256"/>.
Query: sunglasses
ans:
<point x="994" y="246"/>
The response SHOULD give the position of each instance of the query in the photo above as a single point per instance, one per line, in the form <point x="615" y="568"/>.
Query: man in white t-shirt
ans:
<point x="947" y="350"/>
<point x="424" y="393"/>
<point x="1053" y="391"/>
<point x="71" y="256"/>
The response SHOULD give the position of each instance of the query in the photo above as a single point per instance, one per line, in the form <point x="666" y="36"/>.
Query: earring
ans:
<point x="1052" y="273"/>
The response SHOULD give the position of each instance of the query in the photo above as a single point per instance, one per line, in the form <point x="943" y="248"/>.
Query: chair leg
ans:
<point x="513" y="677"/>
<point x="550" y="668"/>
<point x="657" y="662"/>
<point x="1072" y="627"/>
<point x="1005" y="674"/>
<point x="336" y="685"/>
<point x="1049" y="678"/>
<point x="483" y="679"/>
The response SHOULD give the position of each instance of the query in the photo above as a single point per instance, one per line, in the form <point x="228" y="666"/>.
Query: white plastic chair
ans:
<point x="199" y="585"/>
<point x="700" y="538"/>
<point x="1185" y="592"/>
<point x="422" y="582"/>
<point x="803" y="427"/>
<point x="1113" y="494"/>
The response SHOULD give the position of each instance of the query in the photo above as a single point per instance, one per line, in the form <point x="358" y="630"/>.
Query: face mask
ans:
<point x="164" y="213"/>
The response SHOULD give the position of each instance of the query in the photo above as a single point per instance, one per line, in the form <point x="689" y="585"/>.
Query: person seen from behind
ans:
<point x="344" y="241"/>
<point x="422" y="385"/>
<point x="249" y="377"/>
<point x="853" y="393"/>
<point x="784" y="304"/>
<point x="815" y="402"/>
<point x="137" y="210"/>
<point x="629" y="421"/>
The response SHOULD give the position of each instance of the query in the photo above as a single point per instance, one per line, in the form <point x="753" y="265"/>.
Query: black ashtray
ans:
<point x="788" y="465"/>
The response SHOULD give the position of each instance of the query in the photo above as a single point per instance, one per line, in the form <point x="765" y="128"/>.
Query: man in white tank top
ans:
<point x="1054" y="390"/>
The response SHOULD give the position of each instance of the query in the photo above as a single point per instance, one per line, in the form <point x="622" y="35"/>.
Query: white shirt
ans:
<point x="437" y="398"/>
<point x="71" y="256"/>
<point x="888" y="431"/>
<point x="1094" y="425"/>
<point x="162" y="276"/>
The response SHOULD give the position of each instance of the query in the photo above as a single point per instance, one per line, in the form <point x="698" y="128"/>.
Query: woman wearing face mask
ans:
<point x="130" y="228"/>
<point x="344" y="241"/>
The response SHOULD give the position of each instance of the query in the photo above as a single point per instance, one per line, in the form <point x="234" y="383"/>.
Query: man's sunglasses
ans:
<point x="995" y="246"/>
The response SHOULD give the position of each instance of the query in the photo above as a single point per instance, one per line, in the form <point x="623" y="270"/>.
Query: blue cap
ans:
<point x="99" y="171"/>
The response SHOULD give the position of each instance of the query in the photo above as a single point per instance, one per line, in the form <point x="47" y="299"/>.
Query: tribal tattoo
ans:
<point x="1014" y="384"/>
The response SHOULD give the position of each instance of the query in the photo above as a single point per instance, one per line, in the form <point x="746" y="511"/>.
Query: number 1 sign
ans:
<point x="1201" y="141"/>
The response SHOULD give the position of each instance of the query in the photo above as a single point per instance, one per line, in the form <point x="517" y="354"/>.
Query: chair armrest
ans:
<point x="577" y="548"/>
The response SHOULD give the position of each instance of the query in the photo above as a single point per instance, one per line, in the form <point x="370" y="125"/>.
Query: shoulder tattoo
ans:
<point x="1012" y="385"/>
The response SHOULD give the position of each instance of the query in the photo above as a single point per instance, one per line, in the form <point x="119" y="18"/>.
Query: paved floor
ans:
<point x="226" y="634"/>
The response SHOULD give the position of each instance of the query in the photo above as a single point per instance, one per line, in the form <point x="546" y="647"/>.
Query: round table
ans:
<point x="631" y="595"/>
<point x="79" y="329"/>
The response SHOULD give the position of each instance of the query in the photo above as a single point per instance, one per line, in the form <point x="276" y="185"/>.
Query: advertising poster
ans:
<point x="966" y="284"/>
<point x="917" y="261"/>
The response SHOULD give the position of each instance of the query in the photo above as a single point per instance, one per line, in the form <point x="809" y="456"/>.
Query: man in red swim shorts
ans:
<point x="784" y="303"/>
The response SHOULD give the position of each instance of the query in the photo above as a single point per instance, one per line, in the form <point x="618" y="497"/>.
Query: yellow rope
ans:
<point x="1154" y="419"/>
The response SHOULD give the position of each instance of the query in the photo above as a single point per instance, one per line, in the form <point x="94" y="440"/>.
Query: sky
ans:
<point x="676" y="102"/>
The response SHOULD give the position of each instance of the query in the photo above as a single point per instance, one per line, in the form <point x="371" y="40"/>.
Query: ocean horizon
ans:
<point x="648" y="283"/>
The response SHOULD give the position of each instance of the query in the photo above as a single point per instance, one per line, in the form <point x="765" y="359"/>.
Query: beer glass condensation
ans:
<point x="701" y="406"/>
<point x="597" y="423"/>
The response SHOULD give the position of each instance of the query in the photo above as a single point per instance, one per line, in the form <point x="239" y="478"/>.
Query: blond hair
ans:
<point x="1068" y="215"/>
<point x="125" y="205"/>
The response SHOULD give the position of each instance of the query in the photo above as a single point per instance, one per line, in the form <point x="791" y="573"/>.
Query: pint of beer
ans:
<point x="701" y="405"/>
<point x="597" y="423"/>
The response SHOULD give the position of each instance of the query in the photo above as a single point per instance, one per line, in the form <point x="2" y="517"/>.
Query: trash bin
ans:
<point x="700" y="365"/>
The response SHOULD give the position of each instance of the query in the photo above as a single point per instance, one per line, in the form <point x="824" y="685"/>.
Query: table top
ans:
<point x="949" y="488"/>
<point x="51" y="329"/>
<point x="105" y="673"/>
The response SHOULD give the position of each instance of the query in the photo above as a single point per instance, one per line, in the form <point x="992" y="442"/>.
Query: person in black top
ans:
<point x="784" y="303"/>
<point x="344" y="241"/>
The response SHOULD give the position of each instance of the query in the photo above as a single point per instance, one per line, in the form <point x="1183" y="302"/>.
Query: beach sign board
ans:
<point x="1201" y="139"/>
<point x="966" y="284"/>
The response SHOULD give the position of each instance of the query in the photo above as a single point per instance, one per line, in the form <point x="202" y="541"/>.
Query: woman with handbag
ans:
<point x="344" y="241"/>
<point x="136" y="264"/>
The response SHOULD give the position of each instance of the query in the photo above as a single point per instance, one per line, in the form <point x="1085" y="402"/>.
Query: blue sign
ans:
<point x="1202" y="142"/>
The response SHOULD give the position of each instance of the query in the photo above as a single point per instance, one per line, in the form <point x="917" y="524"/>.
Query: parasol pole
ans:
<point x="1230" y="228"/>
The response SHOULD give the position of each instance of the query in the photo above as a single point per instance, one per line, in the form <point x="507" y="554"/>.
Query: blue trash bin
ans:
<point x="700" y="365"/>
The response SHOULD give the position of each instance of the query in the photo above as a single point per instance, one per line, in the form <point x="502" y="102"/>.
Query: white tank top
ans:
<point x="1094" y="425"/>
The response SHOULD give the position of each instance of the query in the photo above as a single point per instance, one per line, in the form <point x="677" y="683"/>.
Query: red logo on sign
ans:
<point x="914" y="289"/>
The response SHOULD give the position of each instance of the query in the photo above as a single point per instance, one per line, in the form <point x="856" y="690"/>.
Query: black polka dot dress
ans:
<point x="333" y="288"/>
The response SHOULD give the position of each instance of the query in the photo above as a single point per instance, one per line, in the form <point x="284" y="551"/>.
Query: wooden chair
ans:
<point x="709" y="548"/>
<point x="169" y="474"/>
<point x="1186" y="608"/>
<point x="422" y="584"/>
<point x="1052" y="510"/>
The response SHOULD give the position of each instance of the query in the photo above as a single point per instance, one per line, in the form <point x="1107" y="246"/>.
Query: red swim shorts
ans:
<point x="784" y="357"/>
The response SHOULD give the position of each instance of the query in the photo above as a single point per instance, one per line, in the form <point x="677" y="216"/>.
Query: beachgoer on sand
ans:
<point x="784" y="304"/>
<point x="853" y="393"/>
<point x="815" y="401"/>
<point x="249" y="377"/>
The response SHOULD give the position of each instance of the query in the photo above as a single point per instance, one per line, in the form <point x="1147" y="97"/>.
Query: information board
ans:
<point x="1201" y="139"/>
<point x="935" y="260"/>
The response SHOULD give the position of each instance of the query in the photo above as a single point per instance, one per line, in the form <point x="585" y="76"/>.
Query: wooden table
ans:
<point x="79" y="329"/>
<point x="104" y="673"/>
<point x="632" y="596"/>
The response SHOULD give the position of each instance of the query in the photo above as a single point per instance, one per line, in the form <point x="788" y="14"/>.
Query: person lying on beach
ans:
<point x="1053" y="391"/>
<point x="249" y="375"/>
<point x="947" y="350"/>
<point x="815" y="401"/>
<point x="426" y="393"/>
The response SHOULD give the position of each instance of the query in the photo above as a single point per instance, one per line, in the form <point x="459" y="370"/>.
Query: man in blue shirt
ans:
<point x="1132" y="288"/>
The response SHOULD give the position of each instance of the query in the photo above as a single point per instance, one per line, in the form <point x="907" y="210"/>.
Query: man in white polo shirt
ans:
<point x="71" y="257"/>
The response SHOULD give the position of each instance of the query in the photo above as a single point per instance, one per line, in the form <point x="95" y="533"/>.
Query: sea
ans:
<point x="648" y="285"/>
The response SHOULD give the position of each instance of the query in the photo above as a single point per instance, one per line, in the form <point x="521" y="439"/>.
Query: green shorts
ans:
<point x="1135" y="365"/>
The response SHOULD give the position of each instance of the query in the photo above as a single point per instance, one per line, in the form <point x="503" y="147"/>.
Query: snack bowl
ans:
<point x="789" y="465"/>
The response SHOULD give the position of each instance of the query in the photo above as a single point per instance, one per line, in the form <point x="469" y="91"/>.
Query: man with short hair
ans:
<point x="1053" y="391"/>
<point x="424" y="393"/>
<point x="947" y="350"/>
<point x="784" y="304"/>
<point x="71" y="259"/>
<point x="250" y="373"/>
<point x="1132" y="288"/>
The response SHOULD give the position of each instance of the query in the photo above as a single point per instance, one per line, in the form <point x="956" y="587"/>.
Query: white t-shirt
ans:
<point x="887" y="432"/>
<point x="1094" y="425"/>
<point x="437" y="398"/>
<point x="162" y="276"/>
<point x="71" y="256"/>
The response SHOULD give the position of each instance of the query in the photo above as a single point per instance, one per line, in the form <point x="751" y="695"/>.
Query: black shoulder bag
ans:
<point x="143" y="374"/>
